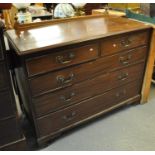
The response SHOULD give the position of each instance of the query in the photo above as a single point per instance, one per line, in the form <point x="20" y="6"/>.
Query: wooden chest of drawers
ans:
<point x="10" y="129"/>
<point x="71" y="82"/>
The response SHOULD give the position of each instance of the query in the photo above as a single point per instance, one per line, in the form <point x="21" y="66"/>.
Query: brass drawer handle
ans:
<point x="120" y="94"/>
<point x="69" y="117"/>
<point x="62" y="80"/>
<point x="63" y="98"/>
<point x="125" y="42"/>
<point x="63" y="60"/>
<point x="125" y="60"/>
<point x="123" y="76"/>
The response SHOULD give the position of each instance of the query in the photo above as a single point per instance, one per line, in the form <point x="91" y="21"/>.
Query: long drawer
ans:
<point x="122" y="42"/>
<point x="76" y="113"/>
<point x="87" y="89"/>
<point x="62" y="59"/>
<point x="9" y="131"/>
<point x="3" y="76"/>
<point x="60" y="79"/>
<point x="6" y="105"/>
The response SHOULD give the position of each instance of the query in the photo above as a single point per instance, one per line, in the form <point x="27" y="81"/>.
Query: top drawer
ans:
<point x="124" y="41"/>
<point x="61" y="59"/>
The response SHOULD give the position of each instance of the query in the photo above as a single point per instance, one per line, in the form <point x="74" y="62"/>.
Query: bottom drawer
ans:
<point x="9" y="131"/>
<point x="66" y="117"/>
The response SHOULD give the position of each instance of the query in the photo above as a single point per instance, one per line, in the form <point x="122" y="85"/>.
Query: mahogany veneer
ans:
<point x="71" y="72"/>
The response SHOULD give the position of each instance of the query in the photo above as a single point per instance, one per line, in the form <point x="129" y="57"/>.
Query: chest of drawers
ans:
<point x="10" y="129"/>
<point x="66" y="83"/>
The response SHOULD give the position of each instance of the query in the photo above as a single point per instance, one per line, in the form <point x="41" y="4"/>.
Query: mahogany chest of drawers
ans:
<point x="10" y="130"/>
<point x="80" y="71"/>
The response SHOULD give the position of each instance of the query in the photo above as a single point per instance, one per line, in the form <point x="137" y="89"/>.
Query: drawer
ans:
<point x="74" y="94"/>
<point x="124" y="41"/>
<point x="76" y="113"/>
<point x="6" y="105"/>
<point x="69" y="76"/>
<point x="61" y="59"/>
<point x="3" y="76"/>
<point x="64" y="78"/>
<point x="9" y="131"/>
<point x="124" y="59"/>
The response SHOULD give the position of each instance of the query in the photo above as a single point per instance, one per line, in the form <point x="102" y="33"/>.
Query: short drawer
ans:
<point x="9" y="131"/>
<point x="67" y="77"/>
<point x="61" y="59"/>
<point x="124" y="59"/>
<point x="6" y="105"/>
<point x="122" y="42"/>
<point x="3" y="76"/>
<point x="74" y="94"/>
<point x="76" y="113"/>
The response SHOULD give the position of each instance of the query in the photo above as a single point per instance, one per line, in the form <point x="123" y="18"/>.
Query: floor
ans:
<point x="129" y="128"/>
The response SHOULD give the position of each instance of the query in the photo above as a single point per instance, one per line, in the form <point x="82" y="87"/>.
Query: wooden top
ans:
<point x="70" y="32"/>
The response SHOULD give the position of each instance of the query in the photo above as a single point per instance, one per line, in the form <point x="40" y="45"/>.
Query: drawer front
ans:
<point x="124" y="59"/>
<point x="6" y="105"/>
<point x="61" y="59"/>
<point x="74" y="94"/>
<point x="122" y="42"/>
<point x="9" y="131"/>
<point x="3" y="76"/>
<point x="76" y="113"/>
<point x="67" y="77"/>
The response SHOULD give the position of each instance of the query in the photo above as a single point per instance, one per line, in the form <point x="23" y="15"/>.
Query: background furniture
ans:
<point x="91" y="6"/>
<point x="148" y="9"/>
<point x="11" y="136"/>
<point x="5" y="7"/>
<point x="124" y="6"/>
<point x="109" y="13"/>
<point x="70" y="79"/>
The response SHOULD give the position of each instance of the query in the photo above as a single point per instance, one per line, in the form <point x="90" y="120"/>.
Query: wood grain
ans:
<point x="108" y="80"/>
<point x="66" y="117"/>
<point x="65" y="97"/>
<point x="70" y="32"/>
<point x="62" y="59"/>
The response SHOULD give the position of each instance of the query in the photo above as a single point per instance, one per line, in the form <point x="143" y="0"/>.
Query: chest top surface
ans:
<point x="70" y="32"/>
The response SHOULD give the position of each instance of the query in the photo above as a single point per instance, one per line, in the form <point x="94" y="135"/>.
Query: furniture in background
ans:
<point x="5" y="7"/>
<point x="108" y="12"/>
<point x="91" y="6"/>
<point x="11" y="136"/>
<point x="85" y="70"/>
<point x="124" y="6"/>
<point x="148" y="9"/>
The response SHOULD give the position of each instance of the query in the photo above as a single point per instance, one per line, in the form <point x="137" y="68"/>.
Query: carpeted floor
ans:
<point x="130" y="128"/>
